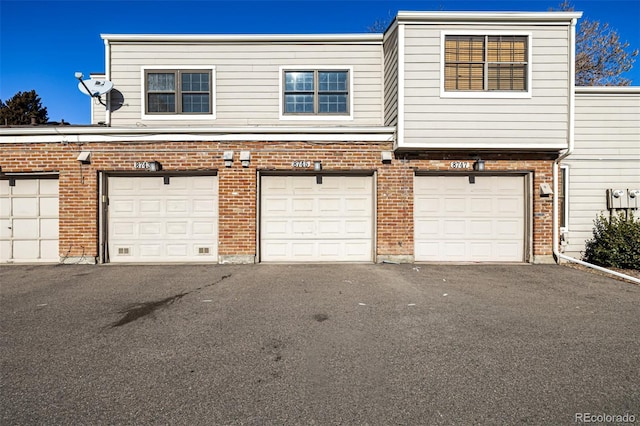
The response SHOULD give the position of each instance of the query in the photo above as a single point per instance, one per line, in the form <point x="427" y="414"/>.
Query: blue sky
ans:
<point x="43" y="43"/>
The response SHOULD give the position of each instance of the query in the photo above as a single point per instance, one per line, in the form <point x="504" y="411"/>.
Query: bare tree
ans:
<point x="601" y="57"/>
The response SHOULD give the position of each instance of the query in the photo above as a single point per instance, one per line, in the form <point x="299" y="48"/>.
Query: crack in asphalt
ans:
<point x="140" y="310"/>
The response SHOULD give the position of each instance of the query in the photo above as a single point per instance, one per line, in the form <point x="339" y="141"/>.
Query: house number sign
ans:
<point x="301" y="164"/>
<point x="459" y="165"/>
<point x="141" y="165"/>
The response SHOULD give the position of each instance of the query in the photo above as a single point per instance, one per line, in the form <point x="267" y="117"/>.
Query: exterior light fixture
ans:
<point x="227" y="156"/>
<point x="245" y="158"/>
<point x="545" y="190"/>
<point x="478" y="166"/>
<point x="154" y="166"/>
<point x="387" y="156"/>
<point x="84" y="157"/>
<point x="317" y="166"/>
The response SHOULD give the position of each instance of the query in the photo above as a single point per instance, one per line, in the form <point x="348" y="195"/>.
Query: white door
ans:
<point x="459" y="221"/>
<point x="29" y="220"/>
<point x="303" y="219"/>
<point x="153" y="221"/>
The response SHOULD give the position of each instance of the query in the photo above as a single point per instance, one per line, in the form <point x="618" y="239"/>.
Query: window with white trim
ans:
<point x="170" y="92"/>
<point x="563" y="189"/>
<point x="316" y="92"/>
<point x="486" y="63"/>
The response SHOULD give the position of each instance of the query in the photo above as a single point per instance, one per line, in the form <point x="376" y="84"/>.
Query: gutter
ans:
<point x="556" y="228"/>
<point x="107" y="67"/>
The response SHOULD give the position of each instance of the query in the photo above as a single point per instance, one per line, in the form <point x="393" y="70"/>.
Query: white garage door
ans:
<point x="456" y="220"/>
<point x="303" y="220"/>
<point x="29" y="220"/>
<point x="150" y="221"/>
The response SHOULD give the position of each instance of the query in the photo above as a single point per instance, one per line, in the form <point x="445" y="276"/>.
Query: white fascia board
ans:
<point x="607" y="90"/>
<point x="484" y="17"/>
<point x="110" y="134"/>
<point x="483" y="146"/>
<point x="371" y="38"/>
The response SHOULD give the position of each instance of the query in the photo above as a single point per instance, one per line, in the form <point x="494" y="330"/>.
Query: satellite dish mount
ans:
<point x="93" y="87"/>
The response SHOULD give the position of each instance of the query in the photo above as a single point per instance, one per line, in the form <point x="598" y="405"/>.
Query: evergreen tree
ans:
<point x="21" y="108"/>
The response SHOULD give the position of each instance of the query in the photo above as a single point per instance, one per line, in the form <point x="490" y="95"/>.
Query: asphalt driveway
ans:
<point x="316" y="344"/>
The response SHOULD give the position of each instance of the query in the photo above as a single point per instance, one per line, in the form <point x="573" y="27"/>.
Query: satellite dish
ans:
<point x="95" y="88"/>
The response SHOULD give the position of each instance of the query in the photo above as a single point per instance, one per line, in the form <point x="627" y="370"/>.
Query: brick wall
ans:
<point x="79" y="204"/>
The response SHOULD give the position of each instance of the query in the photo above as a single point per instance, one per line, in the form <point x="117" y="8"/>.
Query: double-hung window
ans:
<point x="178" y="92"/>
<point x="316" y="92"/>
<point x="486" y="63"/>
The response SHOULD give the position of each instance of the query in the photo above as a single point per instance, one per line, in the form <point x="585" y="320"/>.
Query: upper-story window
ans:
<point x="485" y="64"/>
<point x="316" y="92"/>
<point x="183" y="93"/>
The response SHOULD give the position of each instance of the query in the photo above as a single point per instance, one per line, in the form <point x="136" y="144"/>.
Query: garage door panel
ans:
<point x="203" y="230"/>
<point x="121" y="206"/>
<point x="329" y="205"/>
<point x="177" y="206"/>
<point x="510" y="205"/>
<point x="454" y="227"/>
<point x="460" y="221"/>
<point x="5" y="229"/>
<point x="23" y="250"/>
<point x="302" y="205"/>
<point x="177" y="250"/>
<point x="274" y="206"/>
<point x="302" y="220"/>
<point x="48" y="206"/>
<point x="25" y="228"/>
<point x="49" y="228"/>
<point x="150" y="251"/>
<point x="152" y="221"/>
<point x="360" y="205"/>
<point x="5" y="249"/>
<point x="332" y="228"/>
<point x="25" y="207"/>
<point x="302" y="227"/>
<point x="481" y="250"/>
<point x="148" y="207"/>
<point x="426" y="228"/>
<point x="481" y="205"/>
<point x="122" y="229"/>
<point x="454" y="205"/>
<point x="481" y="228"/>
<point x="205" y="206"/>
<point x="49" y="249"/>
<point x="177" y="229"/>
<point x="150" y="229"/>
<point x="27" y="187"/>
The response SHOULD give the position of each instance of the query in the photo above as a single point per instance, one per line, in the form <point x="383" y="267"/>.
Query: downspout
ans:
<point x="107" y="76"/>
<point x="556" y="228"/>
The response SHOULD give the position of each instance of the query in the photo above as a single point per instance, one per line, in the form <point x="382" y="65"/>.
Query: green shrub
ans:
<point x="615" y="242"/>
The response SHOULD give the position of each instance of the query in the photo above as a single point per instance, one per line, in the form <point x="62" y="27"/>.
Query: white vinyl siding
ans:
<point x="606" y="156"/>
<point x="150" y="221"/>
<point x="306" y="220"/>
<point x="459" y="221"/>
<point x="247" y="78"/>
<point x="391" y="79"/>
<point x="537" y="121"/>
<point x="29" y="216"/>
